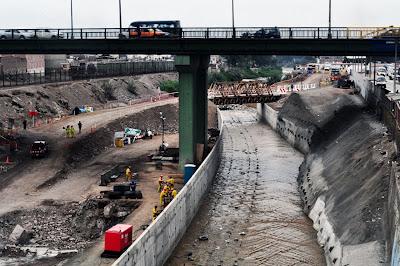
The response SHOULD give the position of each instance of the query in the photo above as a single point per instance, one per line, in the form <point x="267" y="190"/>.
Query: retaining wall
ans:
<point x="158" y="241"/>
<point x="377" y="100"/>
<point x="313" y="186"/>
<point x="299" y="137"/>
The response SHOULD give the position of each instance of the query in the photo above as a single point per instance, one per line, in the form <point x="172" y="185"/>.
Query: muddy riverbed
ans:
<point x="253" y="213"/>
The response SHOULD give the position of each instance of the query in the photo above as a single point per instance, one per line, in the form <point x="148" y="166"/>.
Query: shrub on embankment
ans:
<point x="274" y="74"/>
<point x="347" y="169"/>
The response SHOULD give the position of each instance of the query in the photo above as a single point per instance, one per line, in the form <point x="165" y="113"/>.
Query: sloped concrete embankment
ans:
<point x="345" y="176"/>
<point x="378" y="101"/>
<point x="156" y="244"/>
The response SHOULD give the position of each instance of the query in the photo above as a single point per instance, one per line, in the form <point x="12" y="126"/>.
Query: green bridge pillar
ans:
<point x="193" y="107"/>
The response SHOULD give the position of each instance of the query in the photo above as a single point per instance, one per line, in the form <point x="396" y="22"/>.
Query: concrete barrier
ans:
<point x="158" y="241"/>
<point x="297" y="136"/>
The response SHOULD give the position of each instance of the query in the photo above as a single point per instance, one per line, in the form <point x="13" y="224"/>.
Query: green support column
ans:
<point x="201" y="102"/>
<point x="193" y="109"/>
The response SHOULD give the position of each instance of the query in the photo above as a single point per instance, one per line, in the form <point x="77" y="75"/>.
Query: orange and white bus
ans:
<point x="154" y="29"/>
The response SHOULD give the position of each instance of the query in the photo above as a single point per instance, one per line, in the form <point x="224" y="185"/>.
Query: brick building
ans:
<point x="10" y="64"/>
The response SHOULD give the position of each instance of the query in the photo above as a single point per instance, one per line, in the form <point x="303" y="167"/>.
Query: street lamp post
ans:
<point x="162" y="117"/>
<point x="330" y="20"/>
<point x="395" y="64"/>
<point x="72" y="20"/>
<point x="120" y="18"/>
<point x="233" y="18"/>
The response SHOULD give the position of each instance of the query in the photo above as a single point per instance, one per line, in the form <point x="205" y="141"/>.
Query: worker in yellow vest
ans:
<point x="170" y="183"/>
<point x="155" y="213"/>
<point x="164" y="197"/>
<point x="128" y="173"/>
<point x="160" y="183"/>
<point x="174" y="193"/>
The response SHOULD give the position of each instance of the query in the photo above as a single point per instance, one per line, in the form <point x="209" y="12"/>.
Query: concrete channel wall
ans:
<point x="156" y="244"/>
<point x="335" y="252"/>
<point x="297" y="136"/>
<point x="376" y="99"/>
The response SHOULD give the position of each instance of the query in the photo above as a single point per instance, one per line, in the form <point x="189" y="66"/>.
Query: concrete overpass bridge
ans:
<point x="193" y="47"/>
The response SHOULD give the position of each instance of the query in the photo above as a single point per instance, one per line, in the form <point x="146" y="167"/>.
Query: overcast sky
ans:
<point x="104" y="13"/>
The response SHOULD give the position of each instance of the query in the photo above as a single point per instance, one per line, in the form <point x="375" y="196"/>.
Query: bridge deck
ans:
<point x="370" y="41"/>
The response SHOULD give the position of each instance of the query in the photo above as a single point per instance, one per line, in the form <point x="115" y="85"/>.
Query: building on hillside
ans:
<point x="55" y="61"/>
<point x="11" y="64"/>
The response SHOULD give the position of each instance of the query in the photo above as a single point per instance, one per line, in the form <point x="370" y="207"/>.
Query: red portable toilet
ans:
<point x="118" y="238"/>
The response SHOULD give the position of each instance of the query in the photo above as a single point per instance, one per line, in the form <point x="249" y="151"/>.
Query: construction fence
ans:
<point x="85" y="71"/>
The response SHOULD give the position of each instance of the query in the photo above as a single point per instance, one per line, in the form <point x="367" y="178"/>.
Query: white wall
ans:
<point x="156" y="244"/>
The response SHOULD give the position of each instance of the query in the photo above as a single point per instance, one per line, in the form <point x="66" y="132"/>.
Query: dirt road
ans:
<point x="253" y="213"/>
<point x="21" y="189"/>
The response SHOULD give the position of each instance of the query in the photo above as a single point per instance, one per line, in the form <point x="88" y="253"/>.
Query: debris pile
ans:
<point x="59" y="227"/>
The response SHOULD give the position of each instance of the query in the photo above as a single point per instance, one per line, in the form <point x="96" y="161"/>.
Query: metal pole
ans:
<point x="374" y="74"/>
<point x="233" y="18"/>
<point x="330" y="20"/>
<point x="395" y="65"/>
<point x="72" y="20"/>
<point x="233" y="13"/>
<point x="120" y="18"/>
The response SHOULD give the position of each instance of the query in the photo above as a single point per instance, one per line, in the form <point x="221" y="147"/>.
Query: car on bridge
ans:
<point x="389" y="34"/>
<point x="263" y="33"/>
<point x="46" y="34"/>
<point x="381" y="82"/>
<point x="382" y="71"/>
<point x="15" y="34"/>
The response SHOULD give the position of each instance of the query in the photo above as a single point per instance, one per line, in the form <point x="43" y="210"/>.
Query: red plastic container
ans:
<point x="118" y="238"/>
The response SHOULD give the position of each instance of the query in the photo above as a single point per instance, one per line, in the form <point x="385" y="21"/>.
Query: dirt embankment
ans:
<point x="53" y="100"/>
<point x="87" y="148"/>
<point x="344" y="178"/>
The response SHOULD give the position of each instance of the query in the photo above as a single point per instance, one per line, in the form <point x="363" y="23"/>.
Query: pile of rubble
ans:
<point x="59" y="228"/>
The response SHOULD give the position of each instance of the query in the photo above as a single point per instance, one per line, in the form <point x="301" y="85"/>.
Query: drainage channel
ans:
<point x="253" y="212"/>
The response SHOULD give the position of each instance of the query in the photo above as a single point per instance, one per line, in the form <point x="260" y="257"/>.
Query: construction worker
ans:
<point x="164" y="197"/>
<point x="132" y="185"/>
<point x="128" y="173"/>
<point x="170" y="183"/>
<point x="67" y="131"/>
<point x="174" y="193"/>
<point x="80" y="127"/>
<point x="72" y="131"/>
<point x="160" y="183"/>
<point x="155" y="213"/>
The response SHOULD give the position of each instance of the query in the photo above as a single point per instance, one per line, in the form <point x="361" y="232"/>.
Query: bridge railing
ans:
<point x="209" y="33"/>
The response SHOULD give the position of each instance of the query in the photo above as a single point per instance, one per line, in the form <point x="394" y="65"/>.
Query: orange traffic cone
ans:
<point x="8" y="161"/>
